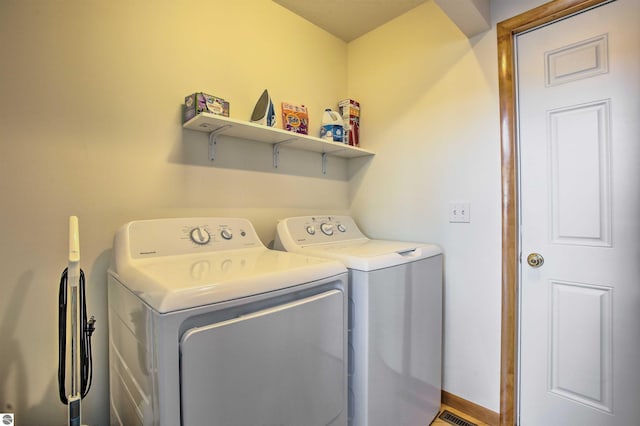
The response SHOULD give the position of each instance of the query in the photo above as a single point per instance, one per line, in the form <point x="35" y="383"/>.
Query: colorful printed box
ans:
<point x="350" y="112"/>
<point x="199" y="102"/>
<point x="295" y="118"/>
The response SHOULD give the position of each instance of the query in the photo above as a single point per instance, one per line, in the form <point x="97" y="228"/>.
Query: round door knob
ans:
<point x="535" y="260"/>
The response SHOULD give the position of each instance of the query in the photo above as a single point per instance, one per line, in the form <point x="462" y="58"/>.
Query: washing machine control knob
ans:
<point x="341" y="228"/>
<point x="199" y="235"/>
<point x="311" y="230"/>
<point x="226" y="234"/>
<point x="326" y="228"/>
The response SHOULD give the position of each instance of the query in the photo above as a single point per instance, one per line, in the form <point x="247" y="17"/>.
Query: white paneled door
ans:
<point x="579" y="162"/>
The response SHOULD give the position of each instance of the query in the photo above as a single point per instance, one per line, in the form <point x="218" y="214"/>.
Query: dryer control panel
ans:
<point x="309" y="230"/>
<point x="170" y="237"/>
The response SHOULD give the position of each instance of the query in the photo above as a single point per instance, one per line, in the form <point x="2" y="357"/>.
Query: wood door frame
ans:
<point x="506" y="32"/>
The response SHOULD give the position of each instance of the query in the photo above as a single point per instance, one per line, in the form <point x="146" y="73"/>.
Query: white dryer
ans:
<point x="395" y="318"/>
<point x="209" y="327"/>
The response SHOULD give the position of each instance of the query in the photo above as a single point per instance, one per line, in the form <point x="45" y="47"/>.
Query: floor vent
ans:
<point x="451" y="418"/>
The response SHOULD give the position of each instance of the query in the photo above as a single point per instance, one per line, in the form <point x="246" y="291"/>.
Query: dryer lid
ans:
<point x="180" y="263"/>
<point x="180" y="282"/>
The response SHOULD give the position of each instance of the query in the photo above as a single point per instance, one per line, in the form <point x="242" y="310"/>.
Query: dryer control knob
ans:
<point x="226" y="234"/>
<point x="326" y="228"/>
<point x="199" y="235"/>
<point x="341" y="228"/>
<point x="311" y="230"/>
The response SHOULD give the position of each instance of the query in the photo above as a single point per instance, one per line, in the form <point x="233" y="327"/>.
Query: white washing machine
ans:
<point x="395" y="318"/>
<point x="209" y="327"/>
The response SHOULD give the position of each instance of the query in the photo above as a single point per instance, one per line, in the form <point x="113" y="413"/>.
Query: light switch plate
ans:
<point x="460" y="212"/>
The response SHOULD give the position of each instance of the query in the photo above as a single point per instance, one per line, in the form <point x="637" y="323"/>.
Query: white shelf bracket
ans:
<point x="325" y="155"/>
<point x="213" y="136"/>
<point x="276" y="151"/>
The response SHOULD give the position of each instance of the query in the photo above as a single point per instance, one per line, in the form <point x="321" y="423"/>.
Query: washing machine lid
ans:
<point x="174" y="283"/>
<point x="338" y="237"/>
<point x="370" y="255"/>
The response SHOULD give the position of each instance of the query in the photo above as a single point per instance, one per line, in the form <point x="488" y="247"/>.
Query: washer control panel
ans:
<point x="164" y="237"/>
<point x="306" y="230"/>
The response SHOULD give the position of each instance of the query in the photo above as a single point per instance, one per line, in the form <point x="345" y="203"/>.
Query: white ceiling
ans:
<point x="349" y="19"/>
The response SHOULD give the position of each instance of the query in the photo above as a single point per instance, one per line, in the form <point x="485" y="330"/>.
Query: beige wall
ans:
<point x="430" y="112"/>
<point x="90" y="126"/>
<point x="431" y="115"/>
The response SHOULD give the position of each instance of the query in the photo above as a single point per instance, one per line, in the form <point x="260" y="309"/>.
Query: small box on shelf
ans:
<point x="295" y="118"/>
<point x="350" y="112"/>
<point x="200" y="102"/>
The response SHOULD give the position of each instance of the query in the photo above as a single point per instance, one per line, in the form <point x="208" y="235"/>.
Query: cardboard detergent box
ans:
<point x="295" y="118"/>
<point x="350" y="112"/>
<point x="199" y="102"/>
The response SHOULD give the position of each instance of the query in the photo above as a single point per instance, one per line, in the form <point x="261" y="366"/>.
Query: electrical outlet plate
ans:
<point x="460" y="212"/>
